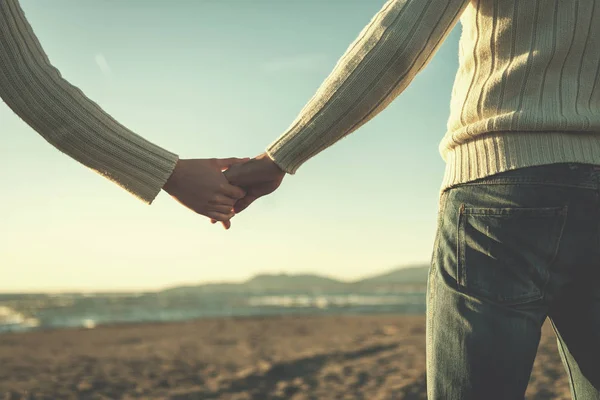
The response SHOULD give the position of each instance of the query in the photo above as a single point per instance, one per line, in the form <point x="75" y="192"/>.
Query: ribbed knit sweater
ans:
<point x="67" y="119"/>
<point x="526" y="92"/>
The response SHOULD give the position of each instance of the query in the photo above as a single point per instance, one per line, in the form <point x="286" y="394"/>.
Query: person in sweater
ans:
<point x="519" y="213"/>
<point x="78" y="127"/>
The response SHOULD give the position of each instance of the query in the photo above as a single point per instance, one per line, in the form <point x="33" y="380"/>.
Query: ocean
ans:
<point x="27" y="312"/>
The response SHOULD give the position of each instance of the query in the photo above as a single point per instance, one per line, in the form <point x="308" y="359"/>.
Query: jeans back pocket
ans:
<point x="504" y="254"/>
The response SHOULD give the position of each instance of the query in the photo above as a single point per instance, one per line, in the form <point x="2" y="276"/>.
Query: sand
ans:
<point x="297" y="358"/>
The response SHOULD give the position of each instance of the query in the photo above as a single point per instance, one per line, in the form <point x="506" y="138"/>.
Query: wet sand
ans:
<point x="297" y="358"/>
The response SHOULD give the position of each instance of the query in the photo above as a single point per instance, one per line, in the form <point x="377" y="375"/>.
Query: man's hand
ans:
<point x="201" y="186"/>
<point x="259" y="177"/>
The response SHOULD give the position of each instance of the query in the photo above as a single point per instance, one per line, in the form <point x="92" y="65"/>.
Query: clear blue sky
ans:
<point x="218" y="79"/>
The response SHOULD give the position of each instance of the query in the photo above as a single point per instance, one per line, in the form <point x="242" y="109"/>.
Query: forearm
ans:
<point x="67" y="119"/>
<point x="389" y="52"/>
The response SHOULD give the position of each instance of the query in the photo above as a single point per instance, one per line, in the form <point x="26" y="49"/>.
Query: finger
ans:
<point x="222" y="200"/>
<point x="225" y="163"/>
<point x="221" y="208"/>
<point x="220" y="216"/>
<point x="243" y="203"/>
<point x="232" y="191"/>
<point x="226" y="224"/>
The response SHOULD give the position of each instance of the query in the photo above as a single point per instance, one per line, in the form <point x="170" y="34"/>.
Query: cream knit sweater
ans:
<point x="66" y="118"/>
<point x="526" y="92"/>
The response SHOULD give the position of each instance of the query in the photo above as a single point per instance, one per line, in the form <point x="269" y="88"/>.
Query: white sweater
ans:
<point x="67" y="119"/>
<point x="526" y="92"/>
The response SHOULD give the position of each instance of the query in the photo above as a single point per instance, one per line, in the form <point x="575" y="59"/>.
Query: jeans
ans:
<point x="510" y="251"/>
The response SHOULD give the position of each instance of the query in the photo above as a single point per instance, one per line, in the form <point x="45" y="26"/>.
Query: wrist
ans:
<point x="171" y="181"/>
<point x="268" y="160"/>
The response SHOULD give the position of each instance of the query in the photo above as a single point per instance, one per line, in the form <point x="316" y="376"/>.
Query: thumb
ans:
<point x="224" y="163"/>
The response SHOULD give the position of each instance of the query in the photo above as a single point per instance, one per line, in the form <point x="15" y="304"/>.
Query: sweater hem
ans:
<point x="498" y="152"/>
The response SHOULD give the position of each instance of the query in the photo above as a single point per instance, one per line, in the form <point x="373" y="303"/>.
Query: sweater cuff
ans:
<point x="147" y="184"/>
<point x="285" y="157"/>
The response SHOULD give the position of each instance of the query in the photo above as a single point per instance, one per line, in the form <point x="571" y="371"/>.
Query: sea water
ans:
<point x="35" y="312"/>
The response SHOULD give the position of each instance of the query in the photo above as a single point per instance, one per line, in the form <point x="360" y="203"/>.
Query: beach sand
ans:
<point x="357" y="357"/>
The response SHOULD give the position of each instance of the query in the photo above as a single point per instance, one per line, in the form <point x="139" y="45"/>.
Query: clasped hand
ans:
<point x="220" y="188"/>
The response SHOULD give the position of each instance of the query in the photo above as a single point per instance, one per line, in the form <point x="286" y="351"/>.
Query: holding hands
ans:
<point x="201" y="186"/>
<point x="220" y="188"/>
<point x="257" y="177"/>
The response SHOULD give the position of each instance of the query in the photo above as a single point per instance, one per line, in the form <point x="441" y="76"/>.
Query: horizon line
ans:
<point x="192" y="284"/>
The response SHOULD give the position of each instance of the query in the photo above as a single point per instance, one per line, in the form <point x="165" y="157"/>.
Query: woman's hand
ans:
<point x="201" y="186"/>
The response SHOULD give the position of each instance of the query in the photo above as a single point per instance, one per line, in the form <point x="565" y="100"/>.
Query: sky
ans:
<point x="203" y="79"/>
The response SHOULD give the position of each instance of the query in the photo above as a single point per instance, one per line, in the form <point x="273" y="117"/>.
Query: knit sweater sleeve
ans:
<point x="67" y="119"/>
<point x="389" y="52"/>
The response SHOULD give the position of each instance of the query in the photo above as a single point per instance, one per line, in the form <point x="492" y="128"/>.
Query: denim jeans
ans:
<point x="510" y="251"/>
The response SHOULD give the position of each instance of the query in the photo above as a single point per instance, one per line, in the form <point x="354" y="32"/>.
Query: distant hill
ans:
<point x="205" y="288"/>
<point x="408" y="275"/>
<point x="406" y="278"/>
<point x="413" y="276"/>
<point x="286" y="281"/>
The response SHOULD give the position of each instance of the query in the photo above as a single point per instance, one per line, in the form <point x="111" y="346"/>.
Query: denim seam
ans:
<point x="440" y="216"/>
<point x="564" y="214"/>
<point x="430" y="316"/>
<point x="432" y="283"/>
<point x="564" y="354"/>
<point x="516" y="181"/>
<point x="433" y="278"/>
<point x="460" y="255"/>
